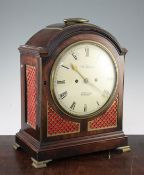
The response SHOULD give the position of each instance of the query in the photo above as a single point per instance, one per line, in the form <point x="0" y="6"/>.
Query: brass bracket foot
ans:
<point x="124" y="149"/>
<point x="109" y="155"/>
<point x="16" y="146"/>
<point x="40" y="164"/>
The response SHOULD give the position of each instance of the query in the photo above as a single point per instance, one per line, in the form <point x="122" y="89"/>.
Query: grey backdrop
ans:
<point x="21" y="19"/>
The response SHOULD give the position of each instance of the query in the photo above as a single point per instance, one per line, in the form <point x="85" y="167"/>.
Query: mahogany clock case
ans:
<point x="40" y="52"/>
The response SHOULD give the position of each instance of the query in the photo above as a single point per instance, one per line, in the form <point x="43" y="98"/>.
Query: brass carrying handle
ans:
<point x="75" y="20"/>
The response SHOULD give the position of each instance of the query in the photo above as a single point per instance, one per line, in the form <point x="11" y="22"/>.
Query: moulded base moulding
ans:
<point x="45" y="152"/>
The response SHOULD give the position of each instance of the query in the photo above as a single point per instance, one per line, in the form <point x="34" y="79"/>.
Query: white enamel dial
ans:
<point x="83" y="79"/>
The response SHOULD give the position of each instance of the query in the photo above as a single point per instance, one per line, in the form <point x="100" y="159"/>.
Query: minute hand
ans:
<point x="92" y="85"/>
<point x="75" y="68"/>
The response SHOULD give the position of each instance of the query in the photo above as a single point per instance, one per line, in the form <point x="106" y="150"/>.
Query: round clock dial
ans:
<point x="83" y="79"/>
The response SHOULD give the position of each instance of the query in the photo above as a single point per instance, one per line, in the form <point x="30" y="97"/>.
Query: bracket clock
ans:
<point x="72" y="78"/>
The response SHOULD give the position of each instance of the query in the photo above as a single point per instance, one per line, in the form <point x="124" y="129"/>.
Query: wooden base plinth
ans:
<point x="43" y="153"/>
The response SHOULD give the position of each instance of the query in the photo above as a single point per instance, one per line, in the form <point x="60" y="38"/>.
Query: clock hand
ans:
<point x="75" y="68"/>
<point x="92" y="85"/>
<point x="64" y="66"/>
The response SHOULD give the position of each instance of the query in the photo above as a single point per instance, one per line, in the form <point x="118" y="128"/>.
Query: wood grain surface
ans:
<point x="130" y="163"/>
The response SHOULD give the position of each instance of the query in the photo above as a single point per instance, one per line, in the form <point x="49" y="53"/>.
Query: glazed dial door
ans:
<point x="83" y="79"/>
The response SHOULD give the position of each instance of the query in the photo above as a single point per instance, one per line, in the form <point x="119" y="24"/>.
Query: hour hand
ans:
<point x="75" y="68"/>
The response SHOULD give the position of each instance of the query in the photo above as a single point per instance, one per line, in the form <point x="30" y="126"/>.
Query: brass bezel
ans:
<point x="109" y="101"/>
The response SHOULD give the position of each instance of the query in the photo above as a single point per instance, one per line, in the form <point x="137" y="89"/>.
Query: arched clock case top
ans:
<point x="80" y="38"/>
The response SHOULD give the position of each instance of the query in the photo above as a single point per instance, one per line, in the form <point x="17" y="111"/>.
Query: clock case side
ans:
<point x="32" y="53"/>
<point x="29" y="136"/>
